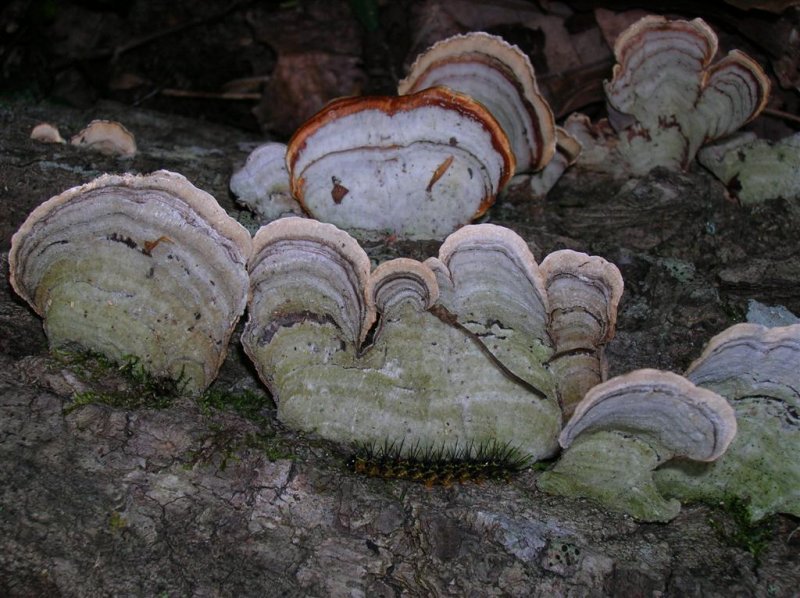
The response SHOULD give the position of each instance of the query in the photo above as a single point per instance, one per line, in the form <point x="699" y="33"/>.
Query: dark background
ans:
<point x="267" y="66"/>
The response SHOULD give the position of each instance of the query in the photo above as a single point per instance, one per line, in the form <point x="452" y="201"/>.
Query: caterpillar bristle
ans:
<point x="439" y="465"/>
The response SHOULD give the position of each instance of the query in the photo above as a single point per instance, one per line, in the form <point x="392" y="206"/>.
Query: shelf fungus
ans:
<point x="143" y="266"/>
<point x="107" y="137"/>
<point x="625" y="428"/>
<point x="500" y="76"/>
<point x="538" y="184"/>
<point x="46" y="133"/>
<point x="568" y="150"/>
<point x="418" y="165"/>
<point x="262" y="184"/>
<point x="446" y="353"/>
<point x="755" y="170"/>
<point x="584" y="292"/>
<point x="666" y="99"/>
<point x="756" y="369"/>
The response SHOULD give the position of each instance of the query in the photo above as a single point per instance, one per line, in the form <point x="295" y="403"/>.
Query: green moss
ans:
<point x="228" y="443"/>
<point x="126" y="384"/>
<point x="736" y="312"/>
<point x="740" y="530"/>
<point x="269" y="446"/>
<point x="248" y="220"/>
<point x="224" y="445"/>
<point x="117" y="522"/>
<point x="247" y="403"/>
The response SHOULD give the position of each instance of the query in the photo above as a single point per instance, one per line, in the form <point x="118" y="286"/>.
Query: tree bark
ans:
<point x="190" y="501"/>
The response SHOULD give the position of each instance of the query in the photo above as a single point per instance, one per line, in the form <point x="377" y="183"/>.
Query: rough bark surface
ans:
<point x="188" y="501"/>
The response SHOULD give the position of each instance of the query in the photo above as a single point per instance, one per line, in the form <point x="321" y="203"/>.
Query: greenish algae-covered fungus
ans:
<point x="148" y="267"/>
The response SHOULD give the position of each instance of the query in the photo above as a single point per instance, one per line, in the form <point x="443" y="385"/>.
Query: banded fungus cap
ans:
<point x="653" y="51"/>
<point x="487" y="273"/>
<point x="584" y="292"/>
<point x="500" y="76"/>
<point x="419" y="165"/>
<point x="663" y="408"/>
<point x="302" y="266"/>
<point x="399" y="281"/>
<point x="749" y="360"/>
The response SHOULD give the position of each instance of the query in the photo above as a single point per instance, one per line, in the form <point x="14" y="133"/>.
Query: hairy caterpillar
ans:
<point x="439" y="466"/>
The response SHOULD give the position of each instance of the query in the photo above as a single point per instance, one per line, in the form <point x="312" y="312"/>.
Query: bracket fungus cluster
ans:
<point x="443" y="353"/>
<point x="478" y="345"/>
<point x="730" y="428"/>
<point x="756" y="369"/>
<point x="421" y="164"/>
<point x="666" y="99"/>
<point x="625" y="428"/>
<point x="148" y="266"/>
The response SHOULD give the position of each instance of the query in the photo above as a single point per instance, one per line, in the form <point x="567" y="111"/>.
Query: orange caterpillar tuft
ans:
<point x="440" y="467"/>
